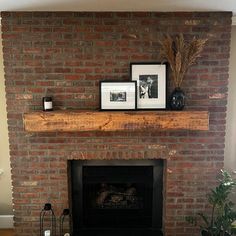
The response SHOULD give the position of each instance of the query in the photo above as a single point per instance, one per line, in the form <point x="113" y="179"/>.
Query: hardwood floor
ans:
<point x="6" y="232"/>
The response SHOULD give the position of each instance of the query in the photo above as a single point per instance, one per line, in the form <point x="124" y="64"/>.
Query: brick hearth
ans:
<point x="65" y="54"/>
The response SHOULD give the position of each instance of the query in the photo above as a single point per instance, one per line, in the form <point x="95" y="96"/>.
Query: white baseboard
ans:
<point x="234" y="20"/>
<point x="6" y="221"/>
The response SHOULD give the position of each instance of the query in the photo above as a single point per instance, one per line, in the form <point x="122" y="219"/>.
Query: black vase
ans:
<point x="177" y="100"/>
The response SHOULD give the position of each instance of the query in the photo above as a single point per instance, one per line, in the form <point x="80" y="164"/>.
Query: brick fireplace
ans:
<point x="65" y="55"/>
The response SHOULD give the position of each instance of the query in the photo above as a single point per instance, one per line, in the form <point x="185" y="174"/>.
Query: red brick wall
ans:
<point x="65" y="55"/>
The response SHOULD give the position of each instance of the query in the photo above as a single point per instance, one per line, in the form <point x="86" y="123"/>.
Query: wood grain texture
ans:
<point x="6" y="232"/>
<point x="70" y="121"/>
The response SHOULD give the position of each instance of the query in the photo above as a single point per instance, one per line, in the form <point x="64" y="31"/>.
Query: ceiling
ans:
<point x="118" y="5"/>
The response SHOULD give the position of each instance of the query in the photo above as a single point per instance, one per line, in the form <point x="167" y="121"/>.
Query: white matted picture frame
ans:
<point x="118" y="95"/>
<point x="151" y="81"/>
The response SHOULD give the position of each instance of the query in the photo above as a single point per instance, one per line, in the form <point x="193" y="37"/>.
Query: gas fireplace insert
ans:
<point x="116" y="197"/>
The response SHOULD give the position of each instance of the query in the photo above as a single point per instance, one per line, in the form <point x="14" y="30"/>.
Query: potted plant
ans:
<point x="180" y="54"/>
<point x="219" y="223"/>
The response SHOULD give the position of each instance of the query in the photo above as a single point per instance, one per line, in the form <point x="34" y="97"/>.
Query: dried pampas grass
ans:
<point x="180" y="54"/>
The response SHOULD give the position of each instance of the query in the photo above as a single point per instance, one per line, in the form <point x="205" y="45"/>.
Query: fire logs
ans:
<point x="116" y="196"/>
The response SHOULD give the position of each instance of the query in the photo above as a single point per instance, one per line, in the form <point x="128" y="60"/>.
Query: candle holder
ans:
<point x="47" y="217"/>
<point x="47" y="104"/>
<point x="66" y="212"/>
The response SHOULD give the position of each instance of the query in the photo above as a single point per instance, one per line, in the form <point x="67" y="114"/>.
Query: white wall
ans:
<point x="230" y="145"/>
<point x="5" y="177"/>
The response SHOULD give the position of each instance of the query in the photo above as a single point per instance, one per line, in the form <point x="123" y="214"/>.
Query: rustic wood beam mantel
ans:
<point x="71" y="121"/>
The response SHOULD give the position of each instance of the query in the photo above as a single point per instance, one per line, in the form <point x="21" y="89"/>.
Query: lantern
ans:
<point x="66" y="212"/>
<point x="47" y="221"/>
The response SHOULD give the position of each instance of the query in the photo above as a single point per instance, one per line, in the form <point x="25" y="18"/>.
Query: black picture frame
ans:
<point x="118" y="95"/>
<point x="151" y="78"/>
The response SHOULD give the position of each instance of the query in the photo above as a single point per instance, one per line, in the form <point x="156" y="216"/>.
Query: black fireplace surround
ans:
<point x="118" y="197"/>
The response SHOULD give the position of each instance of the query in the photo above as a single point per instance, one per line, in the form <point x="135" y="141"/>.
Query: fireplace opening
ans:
<point x="116" y="197"/>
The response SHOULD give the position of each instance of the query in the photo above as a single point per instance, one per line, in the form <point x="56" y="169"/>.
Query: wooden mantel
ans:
<point x="70" y="121"/>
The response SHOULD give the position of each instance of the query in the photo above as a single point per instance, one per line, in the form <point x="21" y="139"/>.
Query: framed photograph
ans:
<point x="118" y="95"/>
<point x="151" y="84"/>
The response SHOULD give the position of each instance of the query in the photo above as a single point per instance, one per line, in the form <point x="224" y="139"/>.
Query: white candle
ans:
<point x="47" y="233"/>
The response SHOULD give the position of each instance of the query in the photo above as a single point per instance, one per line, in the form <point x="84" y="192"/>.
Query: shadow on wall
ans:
<point x="230" y="147"/>
<point x="5" y="171"/>
<point x="5" y="209"/>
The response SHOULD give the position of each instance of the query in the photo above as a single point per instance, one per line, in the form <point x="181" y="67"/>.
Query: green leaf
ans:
<point x="205" y="219"/>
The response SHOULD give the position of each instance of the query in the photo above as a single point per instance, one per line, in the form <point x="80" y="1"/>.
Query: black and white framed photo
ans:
<point x="151" y="84"/>
<point x="118" y="95"/>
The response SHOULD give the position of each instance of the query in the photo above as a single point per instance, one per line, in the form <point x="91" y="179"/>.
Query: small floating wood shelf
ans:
<point x="71" y="121"/>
